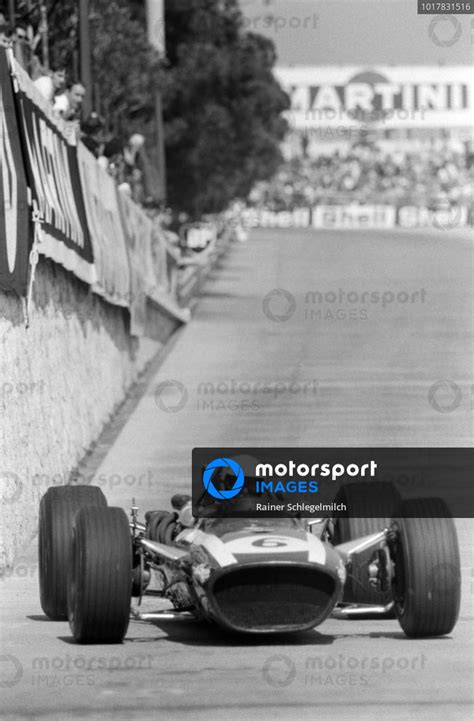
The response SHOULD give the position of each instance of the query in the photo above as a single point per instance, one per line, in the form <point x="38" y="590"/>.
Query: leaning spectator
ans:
<point x="52" y="85"/>
<point x="69" y="104"/>
<point x="113" y="156"/>
<point x="21" y="46"/>
<point x="92" y="133"/>
<point x="132" y="149"/>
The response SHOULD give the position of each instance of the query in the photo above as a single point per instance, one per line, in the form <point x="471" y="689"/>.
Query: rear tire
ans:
<point x="427" y="584"/>
<point x="100" y="576"/>
<point x="381" y="500"/>
<point x="58" y="507"/>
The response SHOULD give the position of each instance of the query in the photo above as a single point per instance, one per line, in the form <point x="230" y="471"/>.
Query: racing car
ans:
<point x="251" y="576"/>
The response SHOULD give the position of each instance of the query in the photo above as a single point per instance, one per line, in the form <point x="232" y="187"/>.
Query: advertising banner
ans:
<point x="106" y="230"/>
<point x="355" y="216"/>
<point x="160" y="260"/>
<point x="138" y="235"/>
<point x="14" y="211"/>
<point x="263" y="218"/>
<point x="53" y="178"/>
<point x="348" y="217"/>
<point x="416" y="216"/>
<point x="394" y="97"/>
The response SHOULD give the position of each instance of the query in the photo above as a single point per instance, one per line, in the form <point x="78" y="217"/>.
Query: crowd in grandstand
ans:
<point x="364" y="173"/>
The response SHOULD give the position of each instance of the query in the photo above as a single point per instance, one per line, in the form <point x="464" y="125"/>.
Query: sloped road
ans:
<point x="351" y="351"/>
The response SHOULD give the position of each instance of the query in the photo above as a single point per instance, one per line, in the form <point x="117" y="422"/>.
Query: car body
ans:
<point x="257" y="576"/>
<point x="252" y="576"/>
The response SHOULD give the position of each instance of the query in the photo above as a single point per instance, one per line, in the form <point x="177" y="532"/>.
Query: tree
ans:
<point x="126" y="70"/>
<point x="222" y="106"/>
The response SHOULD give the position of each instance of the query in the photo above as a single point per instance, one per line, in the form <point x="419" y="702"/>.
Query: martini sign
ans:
<point x="401" y="97"/>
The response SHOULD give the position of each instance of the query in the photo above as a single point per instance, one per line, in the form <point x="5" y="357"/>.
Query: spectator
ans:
<point x="113" y="160"/>
<point x="133" y="171"/>
<point x="69" y="104"/>
<point x="364" y="174"/>
<point x="92" y="134"/>
<point x="133" y="148"/>
<point x="22" y="46"/>
<point x="52" y="85"/>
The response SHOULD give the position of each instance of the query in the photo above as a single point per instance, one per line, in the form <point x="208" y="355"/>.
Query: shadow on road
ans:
<point x="200" y="634"/>
<point x="400" y="636"/>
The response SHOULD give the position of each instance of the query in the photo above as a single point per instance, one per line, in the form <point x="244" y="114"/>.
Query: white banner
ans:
<point x="348" y="217"/>
<point x="262" y="218"/>
<point x="412" y="216"/>
<point x="139" y="232"/>
<point x="106" y="230"/>
<point x="159" y="280"/>
<point x="393" y="97"/>
<point x="354" y="216"/>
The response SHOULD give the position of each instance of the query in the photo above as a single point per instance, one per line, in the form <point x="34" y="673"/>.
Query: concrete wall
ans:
<point x="60" y="380"/>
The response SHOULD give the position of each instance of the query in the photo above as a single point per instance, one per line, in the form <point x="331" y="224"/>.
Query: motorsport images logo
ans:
<point x="229" y="465"/>
<point x="444" y="396"/>
<point x="279" y="305"/>
<point x="444" y="30"/>
<point x="11" y="671"/>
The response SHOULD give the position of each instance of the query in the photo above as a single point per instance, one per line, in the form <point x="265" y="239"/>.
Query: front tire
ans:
<point x="58" y="507"/>
<point x="100" y="576"/>
<point x="427" y="583"/>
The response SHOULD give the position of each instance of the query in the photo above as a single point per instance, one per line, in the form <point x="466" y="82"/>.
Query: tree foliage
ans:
<point x="222" y="105"/>
<point x="125" y="68"/>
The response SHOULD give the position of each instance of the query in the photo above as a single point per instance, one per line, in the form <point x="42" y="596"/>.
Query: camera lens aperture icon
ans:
<point x="13" y="487"/>
<point x="444" y="396"/>
<point x="230" y="465"/>
<point x="279" y="671"/>
<point x="279" y="305"/>
<point x="443" y="22"/>
<point x="11" y="671"/>
<point x="171" y="396"/>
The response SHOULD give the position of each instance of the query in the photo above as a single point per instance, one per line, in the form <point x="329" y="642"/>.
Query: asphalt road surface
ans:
<point x="345" y="371"/>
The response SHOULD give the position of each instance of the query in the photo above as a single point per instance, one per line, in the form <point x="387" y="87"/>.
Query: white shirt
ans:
<point x="46" y="87"/>
<point x="61" y="104"/>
